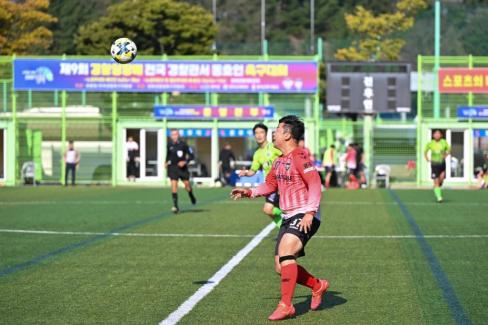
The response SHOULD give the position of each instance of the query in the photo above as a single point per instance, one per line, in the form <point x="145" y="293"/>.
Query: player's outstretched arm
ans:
<point x="246" y="172"/>
<point x="239" y="193"/>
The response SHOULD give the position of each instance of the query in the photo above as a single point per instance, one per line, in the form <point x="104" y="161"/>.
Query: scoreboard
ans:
<point x="368" y="87"/>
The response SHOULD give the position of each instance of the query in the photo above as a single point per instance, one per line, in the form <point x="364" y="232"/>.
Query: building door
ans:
<point x="3" y="154"/>
<point x="149" y="164"/>
<point x="151" y="154"/>
<point x="456" y="163"/>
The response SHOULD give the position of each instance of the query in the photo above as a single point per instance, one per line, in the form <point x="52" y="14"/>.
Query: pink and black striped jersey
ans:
<point x="296" y="179"/>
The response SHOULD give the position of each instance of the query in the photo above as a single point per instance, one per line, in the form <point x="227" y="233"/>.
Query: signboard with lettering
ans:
<point x="463" y="80"/>
<point x="210" y="112"/>
<point x="480" y="133"/>
<point x="368" y="88"/>
<point x="166" y="76"/>
<point x="472" y="112"/>
<point x="207" y="133"/>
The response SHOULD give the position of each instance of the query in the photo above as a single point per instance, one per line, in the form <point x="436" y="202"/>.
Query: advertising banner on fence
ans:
<point x="480" y="133"/>
<point x="472" y="112"/>
<point x="166" y="76"/>
<point x="210" y="112"/>
<point x="463" y="80"/>
<point x="207" y="133"/>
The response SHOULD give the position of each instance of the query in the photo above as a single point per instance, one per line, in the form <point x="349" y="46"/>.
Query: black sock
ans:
<point x="192" y="197"/>
<point x="175" y="199"/>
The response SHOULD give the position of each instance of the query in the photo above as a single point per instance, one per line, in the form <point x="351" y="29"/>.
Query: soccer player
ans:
<point x="439" y="150"/>
<point x="329" y="163"/>
<point x="298" y="183"/>
<point x="263" y="159"/>
<point x="178" y="155"/>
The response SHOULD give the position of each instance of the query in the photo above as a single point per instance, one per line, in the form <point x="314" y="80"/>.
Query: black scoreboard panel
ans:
<point x="367" y="87"/>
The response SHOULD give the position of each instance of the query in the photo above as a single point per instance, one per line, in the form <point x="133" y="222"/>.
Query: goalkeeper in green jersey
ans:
<point x="439" y="150"/>
<point x="263" y="159"/>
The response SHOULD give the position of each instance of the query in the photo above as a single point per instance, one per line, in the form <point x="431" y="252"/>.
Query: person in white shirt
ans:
<point x="71" y="159"/>
<point x="132" y="150"/>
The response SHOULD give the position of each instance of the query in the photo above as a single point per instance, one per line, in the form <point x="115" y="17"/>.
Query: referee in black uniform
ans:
<point x="178" y="155"/>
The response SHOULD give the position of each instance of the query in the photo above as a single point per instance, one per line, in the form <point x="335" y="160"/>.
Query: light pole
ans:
<point x="263" y="25"/>
<point x="437" y="53"/>
<point x="312" y="26"/>
<point x="214" y="11"/>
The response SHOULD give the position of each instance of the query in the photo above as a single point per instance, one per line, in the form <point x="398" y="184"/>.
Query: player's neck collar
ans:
<point x="265" y="144"/>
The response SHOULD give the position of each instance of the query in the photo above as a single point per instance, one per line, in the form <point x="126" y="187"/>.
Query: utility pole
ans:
<point x="312" y="27"/>
<point x="214" y="11"/>
<point x="263" y="25"/>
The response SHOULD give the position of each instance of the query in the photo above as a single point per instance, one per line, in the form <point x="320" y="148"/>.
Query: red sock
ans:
<point x="306" y="279"/>
<point x="288" y="282"/>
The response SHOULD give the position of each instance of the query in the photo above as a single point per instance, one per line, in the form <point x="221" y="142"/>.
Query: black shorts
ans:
<point x="359" y="169"/>
<point x="437" y="169"/>
<point x="274" y="199"/>
<point x="175" y="173"/>
<point x="329" y="169"/>
<point x="290" y="226"/>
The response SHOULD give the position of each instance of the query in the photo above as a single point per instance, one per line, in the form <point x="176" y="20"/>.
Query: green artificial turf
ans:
<point x="97" y="278"/>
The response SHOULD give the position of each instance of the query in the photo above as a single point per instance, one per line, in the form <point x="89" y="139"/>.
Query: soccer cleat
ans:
<point x="175" y="209"/>
<point x="193" y="200"/>
<point x="282" y="312"/>
<point x="317" y="295"/>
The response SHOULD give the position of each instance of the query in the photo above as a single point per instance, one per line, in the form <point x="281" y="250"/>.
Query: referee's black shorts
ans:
<point x="175" y="173"/>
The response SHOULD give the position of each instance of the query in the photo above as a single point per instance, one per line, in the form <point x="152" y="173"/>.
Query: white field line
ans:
<point x="119" y="234"/>
<point x="128" y="234"/>
<point x="86" y="202"/>
<point x="156" y="202"/>
<point x="326" y="202"/>
<point x="214" y="281"/>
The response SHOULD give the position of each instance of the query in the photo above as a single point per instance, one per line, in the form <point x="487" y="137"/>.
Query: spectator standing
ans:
<point x="227" y="159"/>
<point x="71" y="159"/>
<point x="132" y="152"/>
<point x="329" y="162"/>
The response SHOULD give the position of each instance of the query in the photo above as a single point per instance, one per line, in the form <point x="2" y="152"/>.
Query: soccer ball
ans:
<point x="123" y="50"/>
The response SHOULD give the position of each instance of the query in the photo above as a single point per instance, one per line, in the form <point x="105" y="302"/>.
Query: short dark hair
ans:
<point x="71" y="142"/>
<point x="294" y="125"/>
<point x="260" y="126"/>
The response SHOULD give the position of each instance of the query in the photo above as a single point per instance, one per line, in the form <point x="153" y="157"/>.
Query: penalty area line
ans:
<point x="214" y="281"/>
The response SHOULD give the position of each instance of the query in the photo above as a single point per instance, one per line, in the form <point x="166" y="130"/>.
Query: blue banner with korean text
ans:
<point x="472" y="112"/>
<point x="166" y="76"/>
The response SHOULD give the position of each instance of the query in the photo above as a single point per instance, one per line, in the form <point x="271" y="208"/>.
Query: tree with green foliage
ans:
<point x="24" y="27"/>
<point x="287" y="23"/>
<point x="156" y="26"/>
<point x="475" y="36"/>
<point x="376" y="32"/>
<point x="71" y="16"/>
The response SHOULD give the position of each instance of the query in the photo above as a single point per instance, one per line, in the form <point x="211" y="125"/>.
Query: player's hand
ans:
<point x="239" y="193"/>
<point x="242" y="173"/>
<point x="181" y="164"/>
<point x="306" y="223"/>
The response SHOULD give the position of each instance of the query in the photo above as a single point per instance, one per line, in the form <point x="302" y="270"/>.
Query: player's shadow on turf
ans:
<point x="193" y="211"/>
<point x="329" y="300"/>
